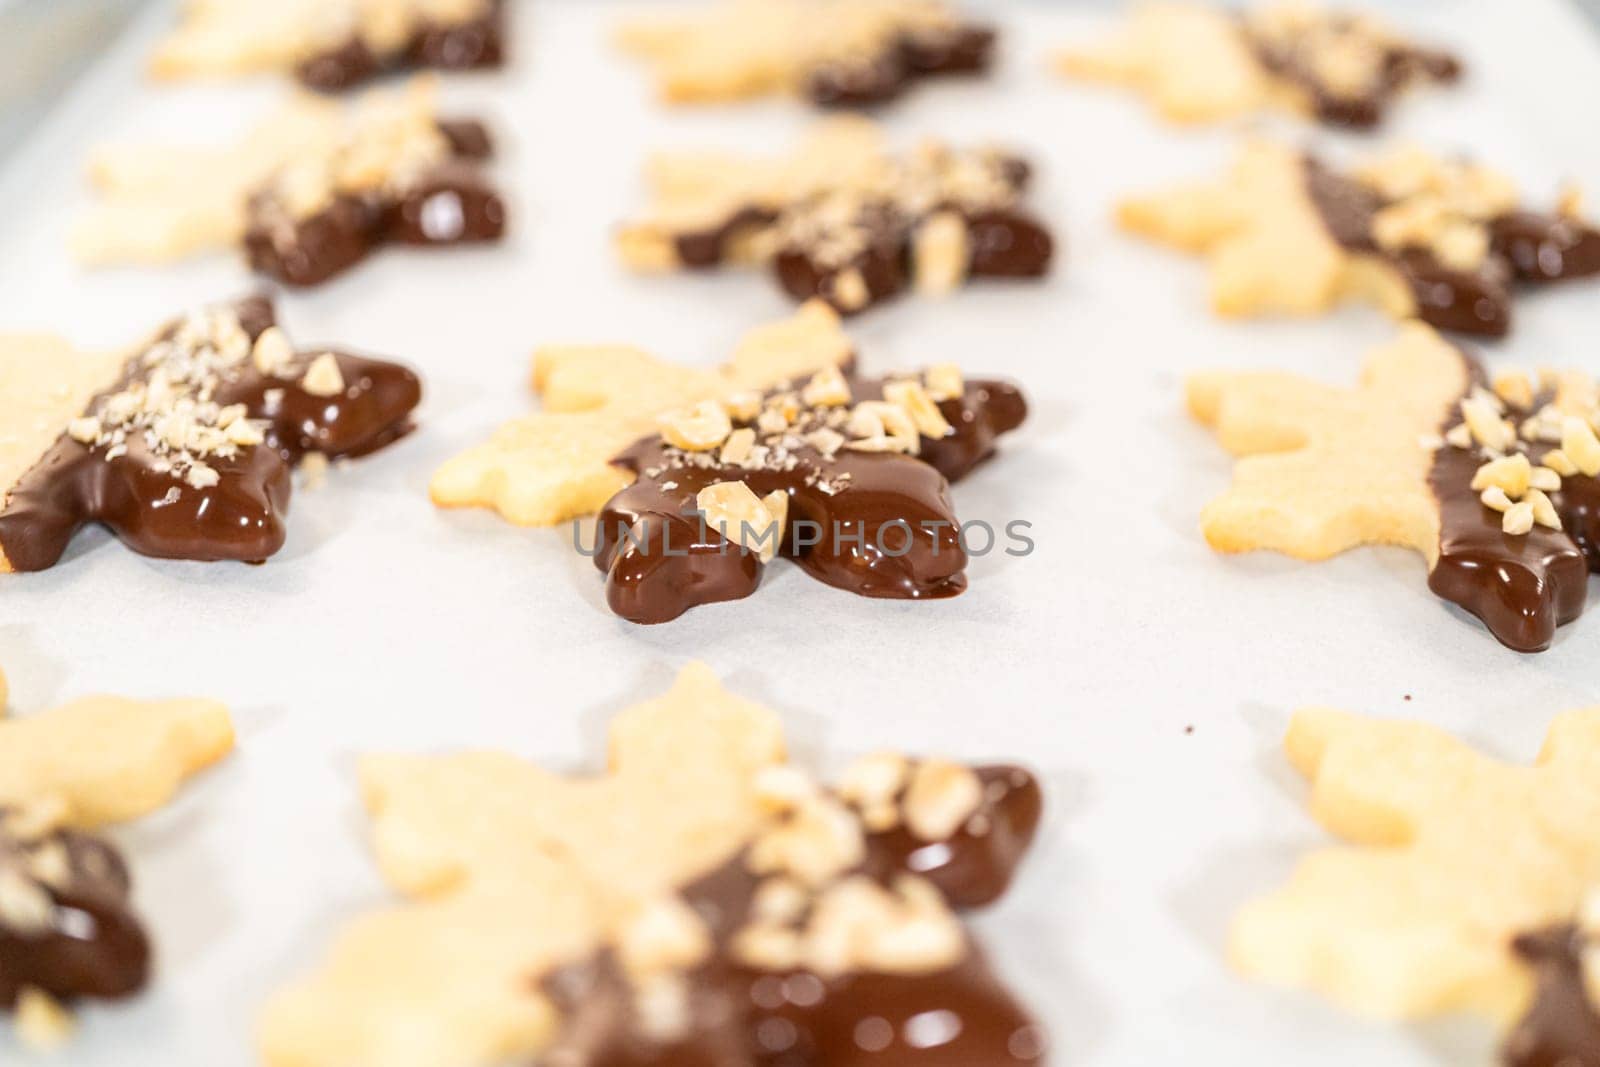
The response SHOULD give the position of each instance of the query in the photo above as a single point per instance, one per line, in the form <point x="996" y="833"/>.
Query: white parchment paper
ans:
<point x="1147" y="679"/>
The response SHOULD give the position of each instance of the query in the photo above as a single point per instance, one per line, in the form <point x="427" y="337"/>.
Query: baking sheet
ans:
<point x="385" y="624"/>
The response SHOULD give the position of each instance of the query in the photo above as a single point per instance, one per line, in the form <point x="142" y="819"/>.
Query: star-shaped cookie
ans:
<point x="331" y="45"/>
<point x="184" y="446"/>
<point x="844" y="218"/>
<point x="67" y="928"/>
<point x="1421" y="236"/>
<point x="314" y="189"/>
<point x="1496" y="488"/>
<point x="573" y="914"/>
<point x="701" y="478"/>
<point x="835" y="53"/>
<point x="1450" y="855"/>
<point x="1197" y="62"/>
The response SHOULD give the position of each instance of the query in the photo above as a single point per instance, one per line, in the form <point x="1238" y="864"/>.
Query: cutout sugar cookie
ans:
<point x="184" y="446"/>
<point x="1423" y="237"/>
<point x="834" y="53"/>
<point x="68" y="930"/>
<point x="1459" y="879"/>
<point x="1496" y="487"/>
<point x="702" y="477"/>
<point x="844" y="218"/>
<point x="315" y="189"/>
<point x="635" y="917"/>
<point x="332" y="45"/>
<point x="1197" y="62"/>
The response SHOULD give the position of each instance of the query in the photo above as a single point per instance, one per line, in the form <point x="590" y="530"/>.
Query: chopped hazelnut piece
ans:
<point x="943" y="381"/>
<point x="825" y="440"/>
<point x="24" y="906"/>
<point x="744" y="405"/>
<point x="85" y="430"/>
<point x="779" y="900"/>
<point x="879" y="426"/>
<point x="1495" y="497"/>
<point x="1482" y="417"/>
<point x="1580" y="445"/>
<point x="940" y="253"/>
<point x="323" y="377"/>
<point x="42" y="1023"/>
<point x="850" y="290"/>
<point x="826" y="389"/>
<point x="699" y="429"/>
<point x="1462" y="246"/>
<point x="736" y="449"/>
<point x="1544" y="512"/>
<point x="911" y="396"/>
<point x="735" y="512"/>
<point x="1560" y="462"/>
<point x="663" y="935"/>
<point x="1511" y="473"/>
<point x="1545" y="479"/>
<point x="1518" y="519"/>
<point x="272" y="352"/>
<point x="202" y="476"/>
<point x="1515" y="389"/>
<point x="874" y="779"/>
<point x="940" y="798"/>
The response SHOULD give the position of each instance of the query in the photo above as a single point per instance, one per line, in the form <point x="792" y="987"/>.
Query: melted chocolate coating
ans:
<point x="660" y="561"/>
<point x="740" y="1016"/>
<point x="872" y="80"/>
<point x="92" y="944"/>
<point x="1401" y="66"/>
<point x="1561" y="1027"/>
<point x="453" y="203"/>
<point x="466" y="45"/>
<point x="1524" y="246"/>
<point x="1521" y="586"/>
<point x="242" y="517"/>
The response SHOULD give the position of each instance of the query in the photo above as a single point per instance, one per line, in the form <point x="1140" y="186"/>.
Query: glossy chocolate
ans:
<point x="867" y="81"/>
<point x="740" y="1016"/>
<point x="660" y="559"/>
<point x="66" y="922"/>
<point x="1522" y="586"/>
<point x="1561" y="1027"/>
<point x="1524" y="246"/>
<point x="450" y="203"/>
<point x="466" y="45"/>
<point x="242" y="516"/>
<point x="878" y="232"/>
<point x="1400" y="66"/>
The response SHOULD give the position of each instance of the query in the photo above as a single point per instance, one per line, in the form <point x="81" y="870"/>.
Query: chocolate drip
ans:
<point x="1561" y="1027"/>
<point x="475" y="43"/>
<point x="451" y="203"/>
<point x="878" y="524"/>
<point x="1524" y="246"/>
<point x="1400" y="66"/>
<point x="1522" y="586"/>
<point x="242" y="516"/>
<point x="867" y="81"/>
<point x="66" y="923"/>
<point x="741" y="1016"/>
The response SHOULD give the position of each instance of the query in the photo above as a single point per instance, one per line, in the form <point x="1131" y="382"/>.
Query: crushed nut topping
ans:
<point x="1443" y="206"/>
<point x="735" y="512"/>
<point x="1530" y="439"/>
<point x="167" y="401"/>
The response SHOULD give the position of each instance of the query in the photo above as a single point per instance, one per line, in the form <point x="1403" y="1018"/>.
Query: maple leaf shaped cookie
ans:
<point x="843" y="218"/>
<point x="836" y="53"/>
<point x="331" y="45"/>
<point x="67" y="928"/>
<point x="183" y="447"/>
<point x="1451" y="856"/>
<point x="315" y="188"/>
<point x="1201" y="63"/>
<point x="848" y="477"/>
<point x="1483" y="483"/>
<point x="1423" y="237"/>
<point x="528" y="887"/>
